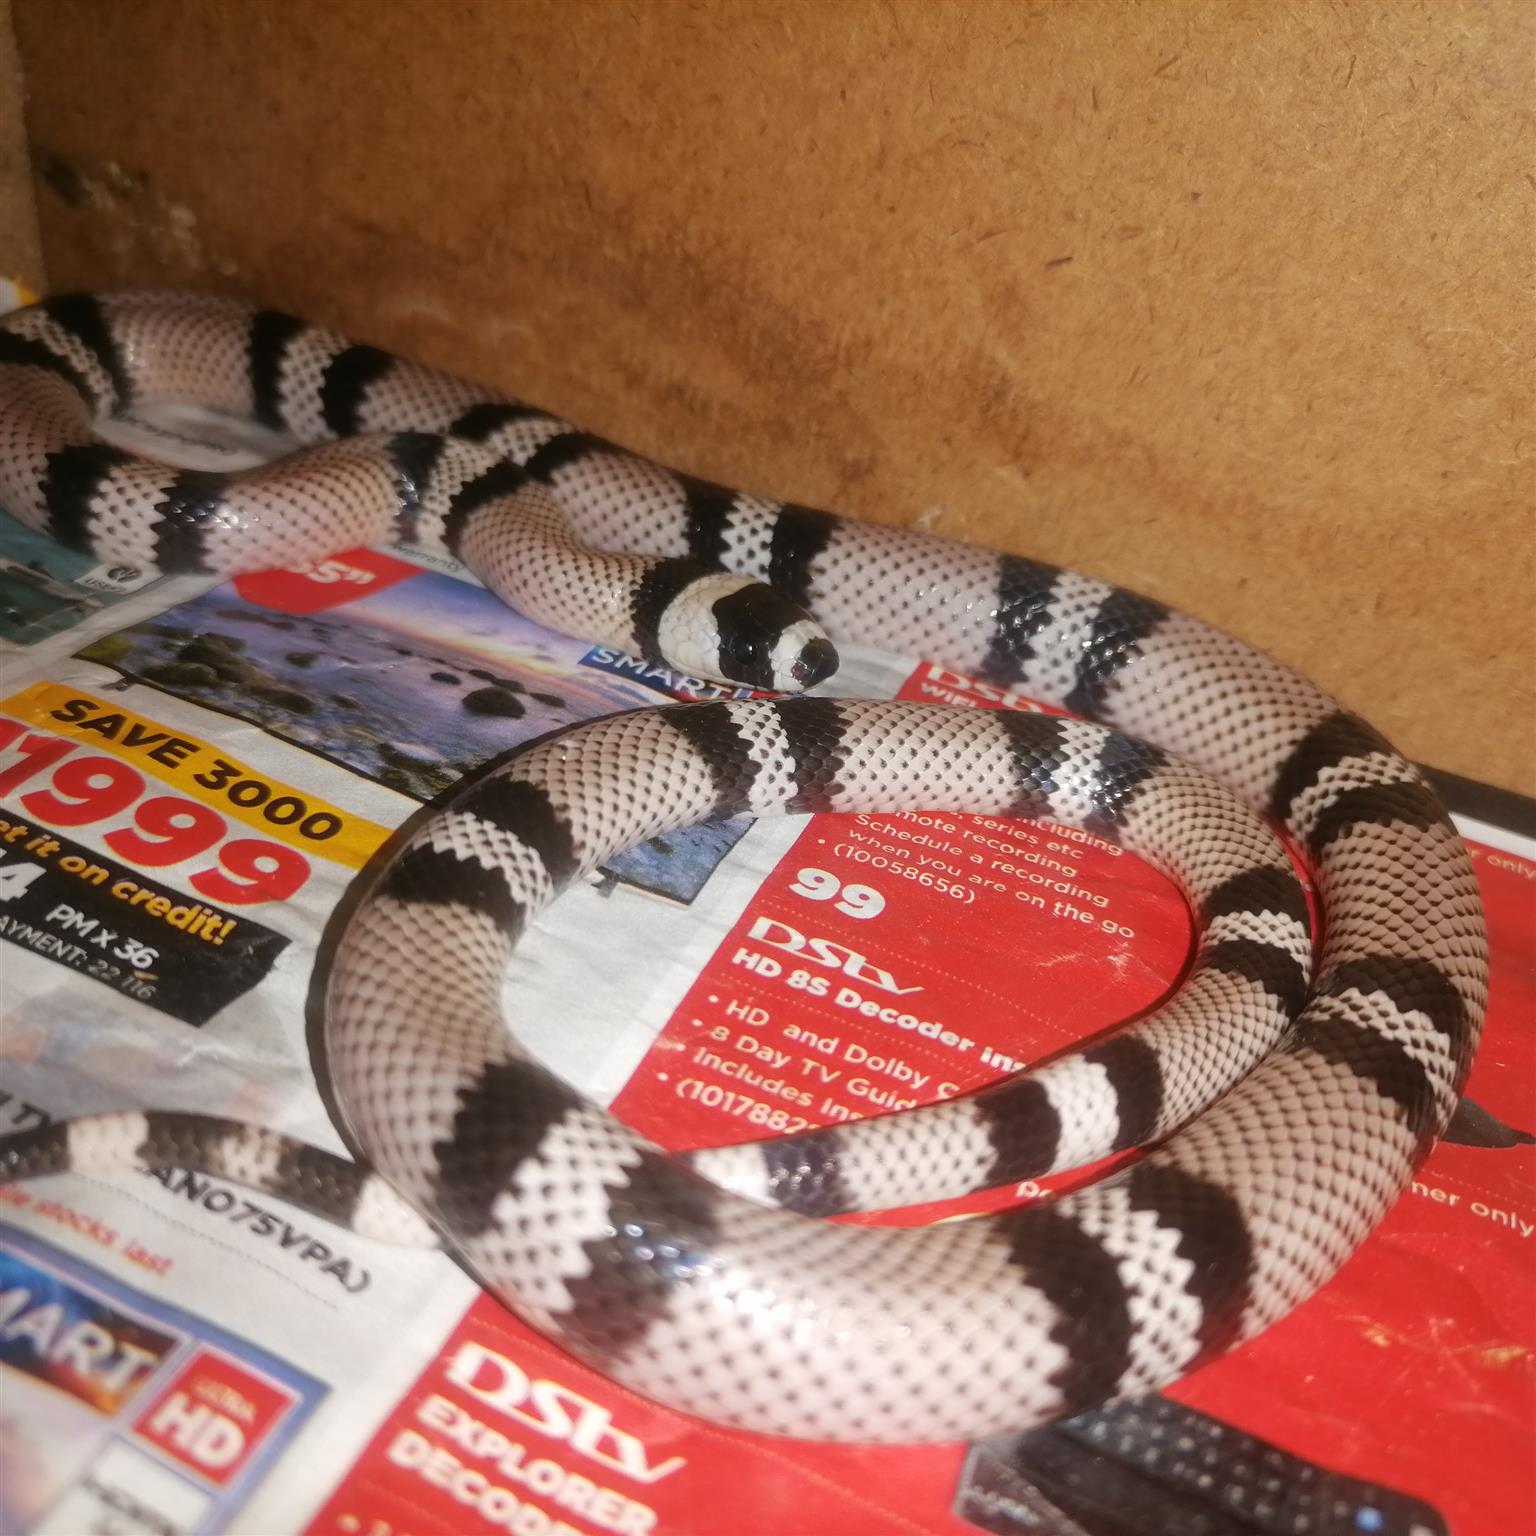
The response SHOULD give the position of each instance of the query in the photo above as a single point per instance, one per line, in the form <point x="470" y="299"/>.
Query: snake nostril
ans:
<point x="816" y="662"/>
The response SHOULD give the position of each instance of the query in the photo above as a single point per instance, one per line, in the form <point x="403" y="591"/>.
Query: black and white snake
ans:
<point x="744" y="1306"/>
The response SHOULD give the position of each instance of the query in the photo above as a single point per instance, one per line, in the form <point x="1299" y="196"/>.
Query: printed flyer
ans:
<point x="190" y="780"/>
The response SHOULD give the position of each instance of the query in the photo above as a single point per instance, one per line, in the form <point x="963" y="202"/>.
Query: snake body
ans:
<point x="711" y="1283"/>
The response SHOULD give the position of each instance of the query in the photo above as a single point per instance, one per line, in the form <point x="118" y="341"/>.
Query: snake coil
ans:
<point x="711" y="1283"/>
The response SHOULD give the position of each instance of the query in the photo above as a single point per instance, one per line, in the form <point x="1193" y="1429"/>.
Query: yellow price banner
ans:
<point x="198" y="769"/>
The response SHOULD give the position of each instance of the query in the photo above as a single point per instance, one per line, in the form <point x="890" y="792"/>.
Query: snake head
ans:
<point x="770" y="642"/>
<point x="729" y="628"/>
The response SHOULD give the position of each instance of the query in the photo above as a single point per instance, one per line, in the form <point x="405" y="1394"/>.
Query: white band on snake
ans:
<point x="712" y="1283"/>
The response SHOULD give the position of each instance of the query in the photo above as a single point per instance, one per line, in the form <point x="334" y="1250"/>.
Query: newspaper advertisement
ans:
<point x="192" y="774"/>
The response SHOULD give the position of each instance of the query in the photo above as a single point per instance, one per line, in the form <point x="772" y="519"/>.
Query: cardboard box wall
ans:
<point x="1228" y="303"/>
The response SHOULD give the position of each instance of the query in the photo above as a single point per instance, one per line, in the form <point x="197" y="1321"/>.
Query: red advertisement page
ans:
<point x="1413" y="1368"/>
<point x="896" y="960"/>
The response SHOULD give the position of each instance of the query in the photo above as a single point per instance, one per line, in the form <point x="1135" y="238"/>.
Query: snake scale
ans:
<point x="1286" y="1100"/>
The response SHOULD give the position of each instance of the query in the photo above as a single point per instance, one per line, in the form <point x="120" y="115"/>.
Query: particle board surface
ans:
<point x="1229" y="303"/>
<point x="21" y="253"/>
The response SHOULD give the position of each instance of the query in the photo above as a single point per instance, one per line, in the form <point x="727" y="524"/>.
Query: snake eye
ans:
<point x="746" y="649"/>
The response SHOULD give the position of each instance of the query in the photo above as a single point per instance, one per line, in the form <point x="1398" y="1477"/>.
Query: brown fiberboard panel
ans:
<point x="1231" y="304"/>
<point x="21" y="253"/>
